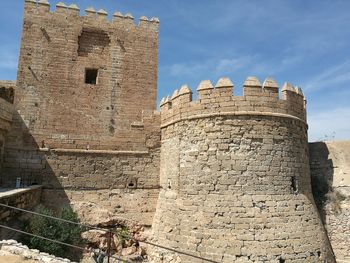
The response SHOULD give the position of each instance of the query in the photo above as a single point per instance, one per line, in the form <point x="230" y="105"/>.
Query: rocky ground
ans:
<point x="94" y="216"/>
<point x="15" y="259"/>
<point x="13" y="252"/>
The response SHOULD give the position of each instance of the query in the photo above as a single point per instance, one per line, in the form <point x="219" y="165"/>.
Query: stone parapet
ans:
<point x="25" y="198"/>
<point x="257" y="99"/>
<point x="33" y="7"/>
<point x="7" y="90"/>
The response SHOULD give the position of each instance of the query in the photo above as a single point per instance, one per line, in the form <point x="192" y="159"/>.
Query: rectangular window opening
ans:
<point x="91" y="76"/>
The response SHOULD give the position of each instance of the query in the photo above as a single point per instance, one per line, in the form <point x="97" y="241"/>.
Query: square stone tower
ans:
<point x="86" y="78"/>
<point x="85" y="106"/>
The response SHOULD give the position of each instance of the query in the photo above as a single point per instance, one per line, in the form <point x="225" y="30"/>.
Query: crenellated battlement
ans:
<point x="40" y="7"/>
<point x="257" y="99"/>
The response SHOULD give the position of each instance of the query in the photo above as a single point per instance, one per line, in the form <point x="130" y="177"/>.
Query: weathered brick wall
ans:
<point x="235" y="177"/>
<point x="56" y="105"/>
<point x="123" y="183"/>
<point x="72" y="135"/>
<point x="330" y="170"/>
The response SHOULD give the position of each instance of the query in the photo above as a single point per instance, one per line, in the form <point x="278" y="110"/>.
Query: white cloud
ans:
<point x="291" y="60"/>
<point x="187" y="69"/>
<point x="221" y="67"/>
<point x="229" y="65"/>
<point x="256" y="64"/>
<point x="329" y="125"/>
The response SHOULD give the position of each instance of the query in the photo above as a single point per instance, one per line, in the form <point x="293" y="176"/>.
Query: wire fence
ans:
<point x="108" y="254"/>
<point x="61" y="243"/>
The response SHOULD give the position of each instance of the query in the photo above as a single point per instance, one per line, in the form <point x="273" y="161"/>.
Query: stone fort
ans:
<point x="221" y="176"/>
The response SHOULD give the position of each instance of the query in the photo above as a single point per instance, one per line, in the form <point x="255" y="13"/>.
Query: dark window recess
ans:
<point x="91" y="76"/>
<point x="294" y="185"/>
<point x="92" y="40"/>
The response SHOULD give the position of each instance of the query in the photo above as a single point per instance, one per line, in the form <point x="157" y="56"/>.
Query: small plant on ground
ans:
<point x="122" y="232"/>
<point x="56" y="230"/>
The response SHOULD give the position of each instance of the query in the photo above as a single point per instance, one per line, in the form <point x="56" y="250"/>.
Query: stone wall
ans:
<point x="85" y="125"/>
<point x="123" y="183"/>
<point x="235" y="179"/>
<point x="6" y="113"/>
<point x="330" y="174"/>
<point x="26" y="198"/>
<point x="7" y="90"/>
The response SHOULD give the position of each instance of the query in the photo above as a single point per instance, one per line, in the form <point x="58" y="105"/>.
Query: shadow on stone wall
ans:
<point x="329" y="175"/>
<point x="104" y="187"/>
<point x="27" y="198"/>
<point x="322" y="176"/>
<point x="24" y="158"/>
<point x="322" y="173"/>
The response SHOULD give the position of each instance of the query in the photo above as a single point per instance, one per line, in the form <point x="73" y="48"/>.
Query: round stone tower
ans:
<point x="234" y="175"/>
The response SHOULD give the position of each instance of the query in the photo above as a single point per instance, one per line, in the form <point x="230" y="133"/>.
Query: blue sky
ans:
<point x="303" y="42"/>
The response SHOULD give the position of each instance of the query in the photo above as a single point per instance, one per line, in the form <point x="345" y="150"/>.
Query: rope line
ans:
<point x="177" y="251"/>
<point x="102" y="229"/>
<point x="45" y="238"/>
<point x="52" y="217"/>
<point x="54" y="241"/>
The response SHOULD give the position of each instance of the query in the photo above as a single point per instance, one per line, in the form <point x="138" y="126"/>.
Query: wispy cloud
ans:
<point x="335" y="75"/>
<point x="245" y="64"/>
<point x="228" y="65"/>
<point x="330" y="124"/>
<point x="187" y="69"/>
<point x="204" y="68"/>
<point x="290" y="60"/>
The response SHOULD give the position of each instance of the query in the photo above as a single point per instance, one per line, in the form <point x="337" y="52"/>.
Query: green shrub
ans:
<point x="122" y="232"/>
<point x="56" y="230"/>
